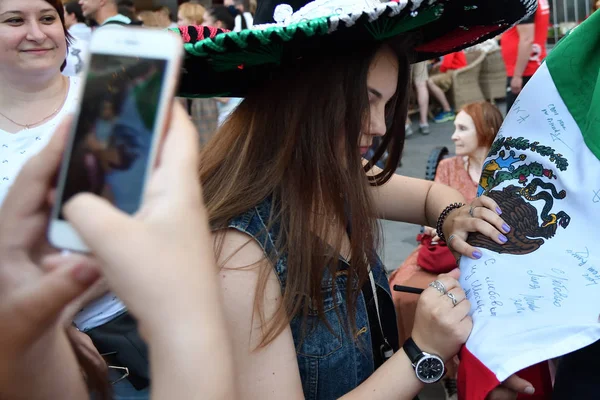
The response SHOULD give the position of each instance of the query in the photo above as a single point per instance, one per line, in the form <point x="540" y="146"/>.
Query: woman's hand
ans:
<point x="427" y="230"/>
<point x="441" y="327"/>
<point x="482" y="215"/>
<point x="30" y="300"/>
<point x="510" y="389"/>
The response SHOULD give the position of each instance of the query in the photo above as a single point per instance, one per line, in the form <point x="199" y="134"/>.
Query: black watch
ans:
<point x="428" y="367"/>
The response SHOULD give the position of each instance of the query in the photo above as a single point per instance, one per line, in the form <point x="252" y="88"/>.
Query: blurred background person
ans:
<point x="164" y="17"/>
<point x="103" y="12"/>
<point x="81" y="35"/>
<point x="219" y="17"/>
<point x="76" y="23"/>
<point x="441" y="82"/>
<point x="524" y="49"/>
<point x="239" y="9"/>
<point x="150" y="19"/>
<point x="190" y="14"/>
<point x="420" y="76"/>
<point x="127" y="8"/>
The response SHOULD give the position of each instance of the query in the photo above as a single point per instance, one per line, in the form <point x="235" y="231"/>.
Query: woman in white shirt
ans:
<point x="35" y="95"/>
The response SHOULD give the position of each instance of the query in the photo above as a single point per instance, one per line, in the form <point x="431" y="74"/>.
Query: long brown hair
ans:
<point x="487" y="120"/>
<point x="295" y="139"/>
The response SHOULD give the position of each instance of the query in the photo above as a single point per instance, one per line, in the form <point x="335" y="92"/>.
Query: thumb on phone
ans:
<point x="106" y="226"/>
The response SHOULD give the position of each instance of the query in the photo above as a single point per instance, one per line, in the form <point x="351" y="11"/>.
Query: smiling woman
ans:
<point x="35" y="96"/>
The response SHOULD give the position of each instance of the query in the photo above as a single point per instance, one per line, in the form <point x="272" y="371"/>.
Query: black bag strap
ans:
<point x="114" y="22"/>
<point x="120" y="338"/>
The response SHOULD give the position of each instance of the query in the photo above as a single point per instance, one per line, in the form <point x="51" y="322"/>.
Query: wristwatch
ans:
<point x="428" y="367"/>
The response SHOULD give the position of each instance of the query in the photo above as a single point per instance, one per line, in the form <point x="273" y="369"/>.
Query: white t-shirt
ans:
<point x="17" y="148"/>
<point x="99" y="312"/>
<point x="78" y="49"/>
<point x="81" y="32"/>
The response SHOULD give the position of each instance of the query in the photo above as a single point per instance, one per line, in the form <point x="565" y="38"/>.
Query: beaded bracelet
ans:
<point x="442" y="218"/>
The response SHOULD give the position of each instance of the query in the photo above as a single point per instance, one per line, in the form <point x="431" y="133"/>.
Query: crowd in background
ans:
<point x="81" y="17"/>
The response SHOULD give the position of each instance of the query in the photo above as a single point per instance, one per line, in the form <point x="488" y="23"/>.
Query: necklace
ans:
<point x="47" y="117"/>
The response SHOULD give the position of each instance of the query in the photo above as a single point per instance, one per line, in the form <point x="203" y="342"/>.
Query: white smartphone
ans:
<point x="131" y="75"/>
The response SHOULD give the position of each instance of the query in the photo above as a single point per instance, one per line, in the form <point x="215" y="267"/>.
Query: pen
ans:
<point x="408" y="289"/>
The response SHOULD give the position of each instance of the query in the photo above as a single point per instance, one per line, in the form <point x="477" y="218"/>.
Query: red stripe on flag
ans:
<point x="539" y="376"/>
<point x="475" y="380"/>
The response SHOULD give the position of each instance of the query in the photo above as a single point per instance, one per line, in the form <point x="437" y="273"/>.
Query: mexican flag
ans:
<point x="538" y="296"/>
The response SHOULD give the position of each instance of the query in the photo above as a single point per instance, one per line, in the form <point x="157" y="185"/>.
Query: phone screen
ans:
<point x="115" y="128"/>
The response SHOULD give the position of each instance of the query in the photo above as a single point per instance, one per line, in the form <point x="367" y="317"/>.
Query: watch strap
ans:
<point x="413" y="351"/>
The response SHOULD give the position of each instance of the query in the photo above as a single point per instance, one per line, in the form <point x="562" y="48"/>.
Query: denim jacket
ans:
<point x="331" y="363"/>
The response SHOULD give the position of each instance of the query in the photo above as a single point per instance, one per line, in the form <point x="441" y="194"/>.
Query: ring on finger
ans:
<point x="471" y="212"/>
<point x="450" y="239"/>
<point x="453" y="298"/>
<point x="439" y="286"/>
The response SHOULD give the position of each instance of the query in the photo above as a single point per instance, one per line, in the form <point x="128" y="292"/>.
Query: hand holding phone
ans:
<point x="128" y="89"/>
<point x="160" y="262"/>
<point x="32" y="300"/>
<point x="167" y="241"/>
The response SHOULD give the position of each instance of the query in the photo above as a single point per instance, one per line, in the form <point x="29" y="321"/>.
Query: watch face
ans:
<point x="430" y="369"/>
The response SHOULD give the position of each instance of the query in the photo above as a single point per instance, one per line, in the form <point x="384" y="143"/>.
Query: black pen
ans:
<point x="408" y="289"/>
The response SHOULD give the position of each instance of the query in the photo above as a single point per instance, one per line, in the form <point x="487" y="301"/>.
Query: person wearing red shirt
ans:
<point x="453" y="61"/>
<point x="524" y="49"/>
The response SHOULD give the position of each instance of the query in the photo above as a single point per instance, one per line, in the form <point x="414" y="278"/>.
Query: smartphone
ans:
<point x="130" y="79"/>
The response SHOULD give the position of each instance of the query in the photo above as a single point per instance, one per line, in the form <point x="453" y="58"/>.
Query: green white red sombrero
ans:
<point x="223" y="63"/>
<point x="537" y="297"/>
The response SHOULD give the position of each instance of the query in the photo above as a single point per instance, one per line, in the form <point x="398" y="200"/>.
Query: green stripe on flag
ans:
<point x="574" y="65"/>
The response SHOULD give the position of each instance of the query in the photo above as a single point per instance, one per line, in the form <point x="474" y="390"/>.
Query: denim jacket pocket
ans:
<point x="320" y="338"/>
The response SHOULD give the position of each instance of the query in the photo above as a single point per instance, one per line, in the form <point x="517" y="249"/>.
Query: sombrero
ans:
<point x="223" y="63"/>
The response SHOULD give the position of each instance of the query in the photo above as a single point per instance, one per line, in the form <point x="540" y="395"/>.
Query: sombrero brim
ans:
<point x="228" y="64"/>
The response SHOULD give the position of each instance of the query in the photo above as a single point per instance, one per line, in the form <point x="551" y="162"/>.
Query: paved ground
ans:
<point x="399" y="238"/>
